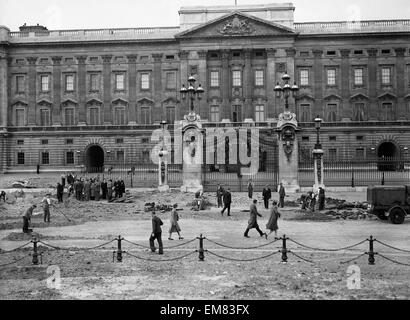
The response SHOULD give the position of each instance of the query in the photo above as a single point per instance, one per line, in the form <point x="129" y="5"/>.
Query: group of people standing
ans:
<point x="85" y="189"/>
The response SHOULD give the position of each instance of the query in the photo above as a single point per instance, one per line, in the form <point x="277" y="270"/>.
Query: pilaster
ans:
<point x="56" y="111"/>
<point x="107" y="88"/>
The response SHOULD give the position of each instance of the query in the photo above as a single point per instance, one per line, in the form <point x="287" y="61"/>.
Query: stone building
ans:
<point x="92" y="97"/>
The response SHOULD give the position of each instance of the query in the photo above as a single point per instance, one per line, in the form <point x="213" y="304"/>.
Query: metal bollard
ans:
<point x="119" y="250"/>
<point x="35" y="253"/>
<point x="284" y="250"/>
<point x="371" y="252"/>
<point x="201" y="248"/>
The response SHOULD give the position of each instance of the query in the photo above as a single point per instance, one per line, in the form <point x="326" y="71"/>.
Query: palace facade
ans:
<point x="88" y="97"/>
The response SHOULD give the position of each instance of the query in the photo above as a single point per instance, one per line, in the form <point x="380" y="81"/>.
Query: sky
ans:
<point x="95" y="14"/>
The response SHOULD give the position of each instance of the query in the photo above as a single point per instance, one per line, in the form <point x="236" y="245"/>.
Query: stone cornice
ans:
<point x="81" y="59"/>
<point x="107" y="58"/>
<point x="157" y="57"/>
<point x="32" y="60"/>
<point x="132" y="58"/>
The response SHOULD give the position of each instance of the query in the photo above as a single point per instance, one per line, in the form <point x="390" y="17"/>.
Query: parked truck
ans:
<point x="389" y="202"/>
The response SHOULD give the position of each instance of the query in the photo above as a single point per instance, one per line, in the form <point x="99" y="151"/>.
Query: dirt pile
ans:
<point x="151" y="206"/>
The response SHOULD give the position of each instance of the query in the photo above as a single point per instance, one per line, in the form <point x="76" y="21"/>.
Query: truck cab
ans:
<point x="389" y="202"/>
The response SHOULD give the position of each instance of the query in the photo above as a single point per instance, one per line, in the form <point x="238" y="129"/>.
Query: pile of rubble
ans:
<point x="126" y="198"/>
<point x="342" y="209"/>
<point x="151" y="206"/>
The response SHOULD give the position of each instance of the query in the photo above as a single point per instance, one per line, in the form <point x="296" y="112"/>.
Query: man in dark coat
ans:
<point x="250" y="189"/>
<point x="266" y="195"/>
<point x="321" y="198"/>
<point x="104" y="187"/>
<point x="282" y="195"/>
<point x="156" y="233"/>
<point x="60" y="192"/>
<point x="122" y="188"/>
<point x="219" y="195"/>
<point x="253" y="222"/>
<point x="227" y="198"/>
<point x="27" y="217"/>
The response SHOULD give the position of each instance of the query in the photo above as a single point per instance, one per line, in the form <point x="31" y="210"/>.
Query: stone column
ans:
<point x="400" y="83"/>
<point x="183" y="57"/>
<point x="290" y="67"/>
<point x="82" y="78"/>
<point x="107" y="89"/>
<point x="373" y="106"/>
<point x="56" y="111"/>
<point x="158" y="113"/>
<point x="203" y="109"/>
<point x="248" y="85"/>
<point x="132" y="88"/>
<point x="345" y="66"/>
<point x="270" y="82"/>
<point x="225" y="86"/>
<point x="318" y="83"/>
<point x="4" y="105"/>
<point x="32" y="91"/>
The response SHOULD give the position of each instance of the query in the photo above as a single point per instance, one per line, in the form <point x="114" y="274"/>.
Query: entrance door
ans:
<point x="388" y="157"/>
<point x="237" y="113"/>
<point x="95" y="159"/>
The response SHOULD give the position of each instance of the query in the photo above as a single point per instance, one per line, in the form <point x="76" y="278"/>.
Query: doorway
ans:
<point x="95" y="159"/>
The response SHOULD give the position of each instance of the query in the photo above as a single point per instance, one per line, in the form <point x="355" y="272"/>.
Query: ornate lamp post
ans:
<point x="192" y="92"/>
<point x="163" y="162"/>
<point x="318" y="157"/>
<point x="286" y="90"/>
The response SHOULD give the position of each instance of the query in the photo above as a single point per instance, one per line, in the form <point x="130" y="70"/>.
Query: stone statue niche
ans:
<point x="287" y="128"/>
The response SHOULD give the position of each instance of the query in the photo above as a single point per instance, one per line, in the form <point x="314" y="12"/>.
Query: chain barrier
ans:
<point x="136" y="244"/>
<point x="8" y="251"/>
<point x="348" y="261"/>
<point x="390" y="246"/>
<point x="394" y="261"/>
<point x="7" y="264"/>
<point x="159" y="260"/>
<point x="252" y="259"/>
<point x="323" y="249"/>
<point x="241" y="248"/>
<point x="304" y="259"/>
<point x="77" y="249"/>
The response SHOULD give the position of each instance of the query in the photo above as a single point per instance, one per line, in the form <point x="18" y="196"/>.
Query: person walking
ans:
<point x="272" y="224"/>
<point x="266" y="195"/>
<point x="282" y="195"/>
<point x="227" y="198"/>
<point x="250" y="189"/>
<point x="174" y="223"/>
<point x="219" y="195"/>
<point x="253" y="222"/>
<point x="60" y="192"/>
<point x="321" y="198"/>
<point x="3" y="196"/>
<point x="156" y="233"/>
<point x="46" y="207"/>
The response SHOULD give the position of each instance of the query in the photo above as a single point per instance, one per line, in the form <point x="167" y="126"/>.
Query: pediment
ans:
<point x="305" y="96"/>
<point x="170" y="100"/>
<point x="44" y="102"/>
<point x="119" y="101"/>
<point x="145" y="101"/>
<point x="94" y="101"/>
<point x="387" y="96"/>
<point x="359" y="96"/>
<point x="19" y="102"/>
<point x="333" y="97"/>
<point x="236" y="24"/>
<point x="68" y="101"/>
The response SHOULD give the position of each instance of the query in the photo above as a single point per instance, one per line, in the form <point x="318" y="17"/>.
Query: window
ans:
<point x="145" y="81"/>
<point x="386" y="75"/>
<point x="214" y="113"/>
<point x="144" y="58"/>
<point x="44" y="60"/>
<point x="44" y="141"/>
<point x="44" y="80"/>
<point x="358" y="112"/>
<point x="359" y="138"/>
<point x="145" y="156"/>
<point x="259" y="113"/>
<point x="94" y="82"/>
<point x="237" y="113"/>
<point x="69" y="157"/>
<point x="387" y="113"/>
<point x="305" y="139"/>
<point x="331" y="53"/>
<point x="385" y="51"/>
<point x="20" y="84"/>
<point x="214" y="55"/>
<point x="305" y="112"/>
<point x="236" y="78"/>
<point x="331" y="77"/>
<point x="332" y="154"/>
<point x="171" y="81"/>
<point x="259" y="78"/>
<point x="20" y="142"/>
<point x="20" y="117"/>
<point x="94" y="116"/>
<point x="69" y="60"/>
<point x="120" y="156"/>
<point x="45" y="158"/>
<point x="358" y="76"/>
<point x="359" y="153"/>
<point x="214" y="79"/>
<point x="144" y="140"/>
<point x="236" y="54"/>
<point x="304" y="53"/>
<point x="332" y="138"/>
<point x="119" y="115"/>
<point x="145" y="115"/>
<point x="304" y="77"/>
<point x="358" y="52"/>
<point x="259" y="54"/>
<point x="44" y="117"/>
<point x="20" y="157"/>
<point x="69" y="116"/>
<point x="20" y="61"/>
<point x="170" y="57"/>
<point x="119" y="81"/>
<point x="69" y="141"/>
<point x="119" y="140"/>
<point x="170" y="114"/>
<point x="331" y="112"/>
<point x="93" y="59"/>
<point x="69" y="82"/>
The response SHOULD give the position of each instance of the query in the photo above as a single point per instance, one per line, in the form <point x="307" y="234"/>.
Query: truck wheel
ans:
<point x="397" y="216"/>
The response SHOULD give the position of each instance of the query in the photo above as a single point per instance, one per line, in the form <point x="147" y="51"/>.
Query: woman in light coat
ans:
<point x="174" y="223"/>
<point x="272" y="224"/>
